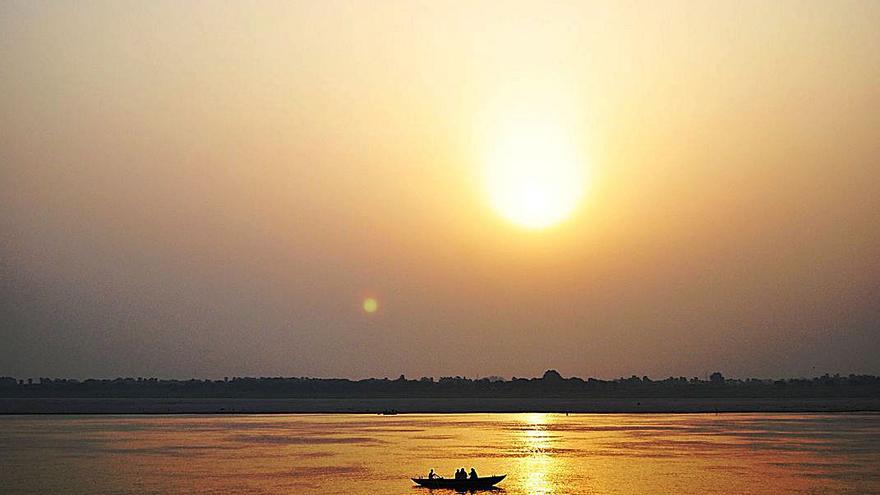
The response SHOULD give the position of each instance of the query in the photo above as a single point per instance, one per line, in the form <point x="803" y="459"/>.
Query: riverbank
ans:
<point x="423" y="405"/>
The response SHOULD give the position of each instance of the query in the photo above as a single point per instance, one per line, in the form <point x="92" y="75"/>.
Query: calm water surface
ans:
<point x="367" y="454"/>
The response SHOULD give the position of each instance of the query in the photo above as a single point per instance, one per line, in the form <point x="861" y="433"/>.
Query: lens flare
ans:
<point x="371" y="305"/>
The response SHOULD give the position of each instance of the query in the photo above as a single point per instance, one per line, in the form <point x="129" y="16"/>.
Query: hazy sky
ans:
<point x="212" y="188"/>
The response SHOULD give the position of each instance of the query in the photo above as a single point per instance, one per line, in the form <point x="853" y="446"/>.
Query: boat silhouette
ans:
<point x="461" y="484"/>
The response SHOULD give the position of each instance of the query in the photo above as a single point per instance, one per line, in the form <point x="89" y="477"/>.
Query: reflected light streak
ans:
<point x="537" y="463"/>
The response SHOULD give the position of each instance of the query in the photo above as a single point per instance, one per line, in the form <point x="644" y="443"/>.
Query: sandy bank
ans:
<point x="252" y="406"/>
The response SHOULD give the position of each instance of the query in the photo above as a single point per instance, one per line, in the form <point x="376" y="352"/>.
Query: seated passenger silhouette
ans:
<point x="473" y="474"/>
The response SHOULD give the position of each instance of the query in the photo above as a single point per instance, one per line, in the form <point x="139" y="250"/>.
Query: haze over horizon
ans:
<point x="335" y="189"/>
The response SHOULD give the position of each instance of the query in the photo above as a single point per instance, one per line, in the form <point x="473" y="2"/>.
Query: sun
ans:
<point x="533" y="175"/>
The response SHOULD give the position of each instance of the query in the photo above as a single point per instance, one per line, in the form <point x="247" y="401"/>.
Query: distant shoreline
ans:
<point x="654" y="405"/>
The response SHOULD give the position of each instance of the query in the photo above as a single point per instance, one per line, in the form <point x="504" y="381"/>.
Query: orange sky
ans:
<point x="210" y="189"/>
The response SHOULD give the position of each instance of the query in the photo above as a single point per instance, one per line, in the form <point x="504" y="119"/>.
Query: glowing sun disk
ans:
<point x="533" y="175"/>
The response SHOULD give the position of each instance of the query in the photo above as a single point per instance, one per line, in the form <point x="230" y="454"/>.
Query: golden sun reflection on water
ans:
<point x="537" y="461"/>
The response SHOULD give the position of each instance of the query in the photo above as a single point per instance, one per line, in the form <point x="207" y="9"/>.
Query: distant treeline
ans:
<point x="551" y="385"/>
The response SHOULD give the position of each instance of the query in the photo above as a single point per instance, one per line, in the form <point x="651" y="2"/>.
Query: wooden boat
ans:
<point x="463" y="484"/>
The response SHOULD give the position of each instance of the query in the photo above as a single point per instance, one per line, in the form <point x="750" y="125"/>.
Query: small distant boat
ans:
<point x="463" y="484"/>
<point x="388" y="412"/>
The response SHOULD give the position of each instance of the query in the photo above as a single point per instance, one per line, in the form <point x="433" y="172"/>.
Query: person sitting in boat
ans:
<point x="432" y="474"/>
<point x="461" y="474"/>
<point x="473" y="475"/>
